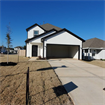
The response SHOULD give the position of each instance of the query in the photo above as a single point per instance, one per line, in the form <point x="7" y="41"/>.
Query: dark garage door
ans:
<point x="61" y="51"/>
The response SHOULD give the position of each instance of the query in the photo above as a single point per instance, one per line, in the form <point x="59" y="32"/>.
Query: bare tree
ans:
<point x="8" y="39"/>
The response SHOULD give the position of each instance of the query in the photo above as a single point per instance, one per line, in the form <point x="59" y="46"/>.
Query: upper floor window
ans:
<point x="36" y="32"/>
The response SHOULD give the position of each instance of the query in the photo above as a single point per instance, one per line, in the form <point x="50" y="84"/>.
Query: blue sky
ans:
<point x="84" y="18"/>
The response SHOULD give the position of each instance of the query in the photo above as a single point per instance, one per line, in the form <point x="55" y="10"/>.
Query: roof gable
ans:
<point x="34" y="26"/>
<point x="94" y="42"/>
<point x="40" y="35"/>
<point x="48" y="27"/>
<point x="45" y="27"/>
<point x="62" y="31"/>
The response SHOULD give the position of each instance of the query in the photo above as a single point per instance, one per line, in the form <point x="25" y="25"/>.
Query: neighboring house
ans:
<point x="49" y="41"/>
<point x="94" y="49"/>
<point x="11" y="50"/>
<point x="18" y="48"/>
<point x="2" y="49"/>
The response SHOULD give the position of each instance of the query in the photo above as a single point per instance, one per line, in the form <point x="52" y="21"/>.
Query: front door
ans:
<point x="34" y="50"/>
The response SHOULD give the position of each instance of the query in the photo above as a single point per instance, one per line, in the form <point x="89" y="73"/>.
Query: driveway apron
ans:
<point x="83" y="82"/>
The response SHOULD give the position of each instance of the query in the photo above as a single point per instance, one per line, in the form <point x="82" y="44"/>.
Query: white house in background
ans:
<point x="18" y="48"/>
<point x="11" y="50"/>
<point x="49" y="41"/>
<point x="94" y="49"/>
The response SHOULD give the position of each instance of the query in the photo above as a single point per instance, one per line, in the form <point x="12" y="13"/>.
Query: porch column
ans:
<point x="30" y="49"/>
<point x="88" y="54"/>
<point x="44" y="50"/>
<point x="83" y="53"/>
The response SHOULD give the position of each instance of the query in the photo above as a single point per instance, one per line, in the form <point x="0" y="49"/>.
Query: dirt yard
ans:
<point x="44" y="86"/>
<point x="97" y="63"/>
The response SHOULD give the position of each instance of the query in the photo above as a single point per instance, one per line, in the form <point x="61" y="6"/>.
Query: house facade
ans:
<point x="49" y="41"/>
<point x="94" y="49"/>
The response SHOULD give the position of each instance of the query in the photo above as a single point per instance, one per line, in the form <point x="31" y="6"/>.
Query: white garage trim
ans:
<point x="75" y="53"/>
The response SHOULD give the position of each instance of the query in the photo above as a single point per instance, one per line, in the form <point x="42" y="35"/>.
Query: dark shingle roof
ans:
<point x="34" y="26"/>
<point x="94" y="42"/>
<point x="48" y="27"/>
<point x="18" y="47"/>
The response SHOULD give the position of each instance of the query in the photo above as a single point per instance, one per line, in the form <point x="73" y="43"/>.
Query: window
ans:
<point x="36" y="33"/>
<point x="86" y="50"/>
<point x="94" y="51"/>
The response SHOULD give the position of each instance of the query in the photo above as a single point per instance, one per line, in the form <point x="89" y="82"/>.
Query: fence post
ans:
<point x="27" y="87"/>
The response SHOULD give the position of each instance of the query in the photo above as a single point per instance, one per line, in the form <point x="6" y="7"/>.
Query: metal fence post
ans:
<point x="27" y="87"/>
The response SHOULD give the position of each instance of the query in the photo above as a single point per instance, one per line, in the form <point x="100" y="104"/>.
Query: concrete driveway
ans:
<point x="84" y="82"/>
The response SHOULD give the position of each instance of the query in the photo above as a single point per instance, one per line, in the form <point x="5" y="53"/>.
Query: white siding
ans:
<point x="31" y="31"/>
<point x="99" y="54"/>
<point x="39" y="50"/>
<point x="38" y="40"/>
<point x="63" y="38"/>
<point x="28" y="50"/>
<point x="73" y="52"/>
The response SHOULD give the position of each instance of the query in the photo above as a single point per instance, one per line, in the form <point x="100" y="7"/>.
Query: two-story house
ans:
<point x="49" y="41"/>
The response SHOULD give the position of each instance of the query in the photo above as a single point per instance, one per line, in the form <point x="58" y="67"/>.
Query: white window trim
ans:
<point x="35" y="30"/>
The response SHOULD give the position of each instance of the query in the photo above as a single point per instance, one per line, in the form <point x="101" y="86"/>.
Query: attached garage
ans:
<point x="62" y="44"/>
<point x="62" y="51"/>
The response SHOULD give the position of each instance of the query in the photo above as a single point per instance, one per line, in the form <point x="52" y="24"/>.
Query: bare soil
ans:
<point x="44" y="86"/>
<point x="97" y="63"/>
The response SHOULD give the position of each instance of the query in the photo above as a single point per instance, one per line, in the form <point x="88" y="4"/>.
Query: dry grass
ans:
<point x="97" y="63"/>
<point x="44" y="86"/>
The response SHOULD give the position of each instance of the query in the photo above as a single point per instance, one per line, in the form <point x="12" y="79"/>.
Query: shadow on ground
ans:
<point x="48" y="68"/>
<point x="9" y="64"/>
<point x="60" y="90"/>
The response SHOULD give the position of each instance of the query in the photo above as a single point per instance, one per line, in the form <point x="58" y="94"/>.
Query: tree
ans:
<point x="8" y="39"/>
<point x="24" y="47"/>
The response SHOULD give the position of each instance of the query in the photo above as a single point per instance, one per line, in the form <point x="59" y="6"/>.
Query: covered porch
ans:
<point x="34" y="49"/>
<point x="92" y="53"/>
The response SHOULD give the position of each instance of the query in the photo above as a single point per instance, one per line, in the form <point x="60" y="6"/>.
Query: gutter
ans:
<point x="93" y="48"/>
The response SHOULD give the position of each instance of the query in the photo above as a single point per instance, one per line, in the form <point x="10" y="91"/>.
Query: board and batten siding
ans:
<point x="38" y="40"/>
<point x="31" y="31"/>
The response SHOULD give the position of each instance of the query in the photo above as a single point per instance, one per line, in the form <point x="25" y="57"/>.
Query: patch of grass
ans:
<point x="99" y="63"/>
<point x="102" y="59"/>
